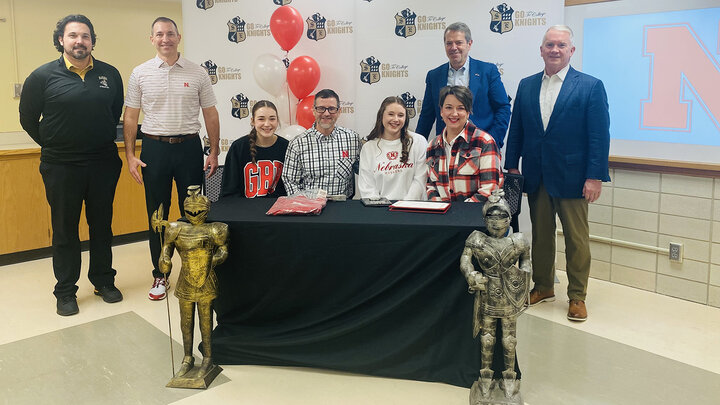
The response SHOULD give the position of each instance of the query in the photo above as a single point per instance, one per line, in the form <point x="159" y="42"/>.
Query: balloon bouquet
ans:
<point x="300" y="77"/>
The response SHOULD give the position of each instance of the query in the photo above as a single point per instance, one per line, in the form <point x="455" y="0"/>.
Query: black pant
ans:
<point x="182" y="162"/>
<point x="514" y="222"/>
<point x="66" y="187"/>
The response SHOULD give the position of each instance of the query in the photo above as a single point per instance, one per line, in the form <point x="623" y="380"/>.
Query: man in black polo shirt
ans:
<point x="71" y="108"/>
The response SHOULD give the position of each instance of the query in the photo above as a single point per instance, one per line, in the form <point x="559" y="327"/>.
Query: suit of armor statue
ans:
<point x="501" y="285"/>
<point x="201" y="247"/>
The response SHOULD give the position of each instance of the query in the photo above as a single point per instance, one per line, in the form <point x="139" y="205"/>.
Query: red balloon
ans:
<point x="286" y="26"/>
<point x="303" y="75"/>
<point x="304" y="115"/>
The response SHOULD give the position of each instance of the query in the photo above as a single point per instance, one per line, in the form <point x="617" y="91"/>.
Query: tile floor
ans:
<point x="636" y="348"/>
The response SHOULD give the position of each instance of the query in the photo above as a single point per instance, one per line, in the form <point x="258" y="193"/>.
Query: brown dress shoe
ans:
<point x="577" y="311"/>
<point x="537" y="296"/>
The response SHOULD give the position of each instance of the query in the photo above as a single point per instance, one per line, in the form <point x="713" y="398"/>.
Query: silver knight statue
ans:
<point x="201" y="247"/>
<point x="501" y="284"/>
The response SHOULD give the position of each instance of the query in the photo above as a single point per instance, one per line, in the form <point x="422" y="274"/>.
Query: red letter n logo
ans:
<point x="679" y="61"/>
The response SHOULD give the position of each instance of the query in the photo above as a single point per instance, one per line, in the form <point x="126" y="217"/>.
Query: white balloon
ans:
<point x="287" y="106"/>
<point x="290" y="132"/>
<point x="270" y="73"/>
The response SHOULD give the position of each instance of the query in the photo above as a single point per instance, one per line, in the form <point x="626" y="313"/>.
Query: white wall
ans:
<point x="358" y="30"/>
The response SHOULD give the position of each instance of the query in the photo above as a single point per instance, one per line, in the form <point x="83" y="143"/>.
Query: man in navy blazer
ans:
<point x="560" y="128"/>
<point x="491" y="106"/>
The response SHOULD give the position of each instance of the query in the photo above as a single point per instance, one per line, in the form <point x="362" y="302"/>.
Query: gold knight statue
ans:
<point x="201" y="247"/>
<point x="501" y="289"/>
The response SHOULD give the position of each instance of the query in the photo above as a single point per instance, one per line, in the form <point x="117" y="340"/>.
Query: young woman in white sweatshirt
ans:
<point x="392" y="159"/>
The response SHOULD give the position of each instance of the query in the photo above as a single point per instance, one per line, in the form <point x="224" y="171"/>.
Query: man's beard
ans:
<point x="79" y="52"/>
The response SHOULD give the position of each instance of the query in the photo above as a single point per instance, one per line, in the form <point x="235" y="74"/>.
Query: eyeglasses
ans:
<point x="320" y="109"/>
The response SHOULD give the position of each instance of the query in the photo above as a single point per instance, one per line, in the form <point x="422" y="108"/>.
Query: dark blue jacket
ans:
<point x="576" y="143"/>
<point x="491" y="107"/>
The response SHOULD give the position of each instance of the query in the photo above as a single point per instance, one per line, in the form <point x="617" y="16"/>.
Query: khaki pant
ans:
<point x="573" y="214"/>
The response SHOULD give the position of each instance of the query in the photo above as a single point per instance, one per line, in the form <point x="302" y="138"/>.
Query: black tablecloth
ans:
<point x="356" y="288"/>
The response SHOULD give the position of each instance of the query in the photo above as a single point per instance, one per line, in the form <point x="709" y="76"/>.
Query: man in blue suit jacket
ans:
<point x="561" y="128"/>
<point x="491" y="106"/>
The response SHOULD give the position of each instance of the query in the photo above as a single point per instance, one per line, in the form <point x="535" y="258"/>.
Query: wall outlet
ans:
<point x="676" y="252"/>
<point x="17" y="90"/>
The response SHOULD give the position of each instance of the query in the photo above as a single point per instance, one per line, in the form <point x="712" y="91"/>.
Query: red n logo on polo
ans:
<point x="346" y="154"/>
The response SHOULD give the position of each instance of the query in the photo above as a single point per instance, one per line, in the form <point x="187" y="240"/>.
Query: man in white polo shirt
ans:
<point x="171" y="91"/>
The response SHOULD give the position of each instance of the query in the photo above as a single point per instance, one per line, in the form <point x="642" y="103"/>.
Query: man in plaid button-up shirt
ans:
<point x="324" y="156"/>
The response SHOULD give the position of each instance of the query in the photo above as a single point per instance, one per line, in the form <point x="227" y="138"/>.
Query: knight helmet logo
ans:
<point x="204" y="4"/>
<point x="370" y="70"/>
<point x="211" y="70"/>
<point x="236" y="30"/>
<point x="316" y="27"/>
<point x="282" y="2"/>
<point x="405" y="23"/>
<point x="392" y="155"/>
<point x="206" y="146"/>
<point x="240" y="106"/>
<point x="409" y="101"/>
<point x="501" y="19"/>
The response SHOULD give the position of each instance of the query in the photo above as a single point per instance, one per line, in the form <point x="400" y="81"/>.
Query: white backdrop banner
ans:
<point x="367" y="49"/>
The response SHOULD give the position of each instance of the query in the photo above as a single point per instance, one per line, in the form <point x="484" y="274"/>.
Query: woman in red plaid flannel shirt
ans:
<point x="464" y="161"/>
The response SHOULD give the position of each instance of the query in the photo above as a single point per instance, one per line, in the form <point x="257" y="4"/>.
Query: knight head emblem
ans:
<point x="316" y="27"/>
<point x="204" y="4"/>
<point x="501" y="19"/>
<point x="409" y="101"/>
<point x="370" y="70"/>
<point x="211" y="69"/>
<point x="240" y="108"/>
<point x="206" y="145"/>
<point x="405" y="23"/>
<point x="236" y="30"/>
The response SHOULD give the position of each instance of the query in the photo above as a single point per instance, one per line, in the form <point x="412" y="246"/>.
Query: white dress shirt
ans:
<point x="549" y="90"/>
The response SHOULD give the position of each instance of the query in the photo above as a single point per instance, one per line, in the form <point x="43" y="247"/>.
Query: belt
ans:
<point x="171" y="138"/>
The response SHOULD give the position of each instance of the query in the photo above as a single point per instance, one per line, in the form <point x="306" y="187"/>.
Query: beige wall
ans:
<point x="123" y="38"/>
<point x="655" y="209"/>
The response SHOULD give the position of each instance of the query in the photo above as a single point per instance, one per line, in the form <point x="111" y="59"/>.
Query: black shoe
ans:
<point x="109" y="293"/>
<point x="67" y="306"/>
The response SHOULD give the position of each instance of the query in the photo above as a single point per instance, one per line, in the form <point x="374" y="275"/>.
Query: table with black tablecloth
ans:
<point x="358" y="289"/>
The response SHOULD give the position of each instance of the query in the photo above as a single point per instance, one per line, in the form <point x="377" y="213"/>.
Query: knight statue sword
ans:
<point x="158" y="224"/>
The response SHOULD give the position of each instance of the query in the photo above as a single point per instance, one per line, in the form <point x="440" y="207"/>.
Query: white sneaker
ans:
<point x="158" y="291"/>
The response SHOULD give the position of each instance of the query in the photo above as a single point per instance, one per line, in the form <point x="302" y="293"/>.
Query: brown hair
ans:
<point x="165" y="20"/>
<point x="405" y="139"/>
<point x="60" y="29"/>
<point x="462" y="93"/>
<point x="253" y="132"/>
<point x="326" y="93"/>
